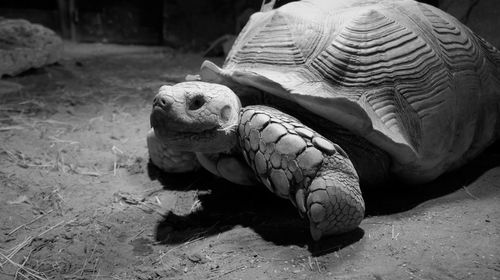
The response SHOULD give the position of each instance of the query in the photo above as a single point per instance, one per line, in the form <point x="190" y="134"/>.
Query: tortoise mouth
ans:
<point x="173" y="136"/>
<point x="211" y="140"/>
<point x="179" y="134"/>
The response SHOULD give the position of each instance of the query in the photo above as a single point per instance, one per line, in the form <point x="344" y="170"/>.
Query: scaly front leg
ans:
<point x="297" y="163"/>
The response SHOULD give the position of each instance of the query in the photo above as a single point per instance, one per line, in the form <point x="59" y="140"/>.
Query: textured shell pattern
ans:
<point x="405" y="75"/>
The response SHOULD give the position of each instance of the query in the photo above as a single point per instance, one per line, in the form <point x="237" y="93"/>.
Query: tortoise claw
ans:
<point x="300" y="200"/>
<point x="315" y="232"/>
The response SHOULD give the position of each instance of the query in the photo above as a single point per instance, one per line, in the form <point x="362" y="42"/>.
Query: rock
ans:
<point x="24" y="45"/>
<point x="197" y="258"/>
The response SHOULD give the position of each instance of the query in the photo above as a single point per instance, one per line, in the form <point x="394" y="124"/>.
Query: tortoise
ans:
<point x="316" y="98"/>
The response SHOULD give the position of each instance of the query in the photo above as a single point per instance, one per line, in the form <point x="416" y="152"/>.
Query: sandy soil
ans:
<point x="79" y="200"/>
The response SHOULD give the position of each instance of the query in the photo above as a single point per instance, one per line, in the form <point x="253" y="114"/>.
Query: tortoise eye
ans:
<point x="196" y="102"/>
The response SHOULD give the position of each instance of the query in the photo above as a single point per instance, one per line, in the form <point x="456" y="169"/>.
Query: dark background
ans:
<point x="187" y="24"/>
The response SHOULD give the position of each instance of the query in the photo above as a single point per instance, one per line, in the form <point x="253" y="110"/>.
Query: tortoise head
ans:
<point x="196" y="116"/>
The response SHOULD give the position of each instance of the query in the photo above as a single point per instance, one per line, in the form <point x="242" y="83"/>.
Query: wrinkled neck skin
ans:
<point x="371" y="163"/>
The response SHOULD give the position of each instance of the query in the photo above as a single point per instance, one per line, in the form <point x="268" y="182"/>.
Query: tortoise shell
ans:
<point x="406" y="76"/>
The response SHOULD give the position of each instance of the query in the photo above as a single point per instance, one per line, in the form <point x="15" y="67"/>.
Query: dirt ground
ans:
<point x="79" y="200"/>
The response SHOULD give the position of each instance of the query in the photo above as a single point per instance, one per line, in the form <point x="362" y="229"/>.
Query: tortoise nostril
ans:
<point x="161" y="102"/>
<point x="196" y="103"/>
